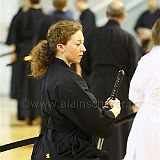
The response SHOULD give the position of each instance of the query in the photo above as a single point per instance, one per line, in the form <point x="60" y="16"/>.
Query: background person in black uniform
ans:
<point x="110" y="49"/>
<point x="88" y="21"/>
<point x="145" y="23"/>
<point x="87" y="18"/>
<point x="12" y="41"/>
<point x="70" y="112"/>
<point x="26" y="28"/>
<point x="60" y="12"/>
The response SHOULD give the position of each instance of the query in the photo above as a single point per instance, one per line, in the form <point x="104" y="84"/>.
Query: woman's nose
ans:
<point x="83" y="49"/>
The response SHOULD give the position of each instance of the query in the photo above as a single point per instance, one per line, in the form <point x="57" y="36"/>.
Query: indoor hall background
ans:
<point x="10" y="129"/>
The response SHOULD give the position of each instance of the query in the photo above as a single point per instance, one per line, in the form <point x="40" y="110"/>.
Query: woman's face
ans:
<point x="73" y="50"/>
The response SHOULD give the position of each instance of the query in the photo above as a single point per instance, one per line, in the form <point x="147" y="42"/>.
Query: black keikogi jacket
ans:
<point x="71" y="118"/>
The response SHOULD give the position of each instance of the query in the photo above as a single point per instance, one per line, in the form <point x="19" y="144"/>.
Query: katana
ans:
<point x="113" y="96"/>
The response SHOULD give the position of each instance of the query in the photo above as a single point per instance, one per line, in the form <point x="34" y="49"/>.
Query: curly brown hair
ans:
<point x="42" y="54"/>
<point x="156" y="32"/>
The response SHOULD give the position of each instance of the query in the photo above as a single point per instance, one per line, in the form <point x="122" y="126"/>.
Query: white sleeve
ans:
<point x="137" y="85"/>
<point x="154" y="93"/>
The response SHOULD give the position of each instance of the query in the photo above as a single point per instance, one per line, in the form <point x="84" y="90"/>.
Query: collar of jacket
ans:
<point x="85" y="12"/>
<point x="59" y="62"/>
<point x="112" y="23"/>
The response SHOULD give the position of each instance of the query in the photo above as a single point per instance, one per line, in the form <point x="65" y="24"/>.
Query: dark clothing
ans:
<point x="58" y="14"/>
<point x="109" y="50"/>
<point x="88" y="21"/>
<point x="147" y="19"/>
<point x="27" y="28"/>
<point x="71" y="117"/>
<point x="28" y="90"/>
<point x="51" y="19"/>
<point x="11" y="39"/>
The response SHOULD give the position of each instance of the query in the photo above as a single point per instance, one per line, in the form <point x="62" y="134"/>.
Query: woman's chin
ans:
<point x="78" y="60"/>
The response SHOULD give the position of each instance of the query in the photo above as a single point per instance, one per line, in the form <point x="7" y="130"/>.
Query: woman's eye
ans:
<point x="78" y="44"/>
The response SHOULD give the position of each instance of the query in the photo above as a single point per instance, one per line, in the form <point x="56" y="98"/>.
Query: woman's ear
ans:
<point x="60" y="48"/>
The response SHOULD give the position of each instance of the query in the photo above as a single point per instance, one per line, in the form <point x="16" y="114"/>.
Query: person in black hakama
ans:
<point x="11" y="40"/>
<point x="88" y="21"/>
<point x="27" y="27"/>
<point x="71" y="117"/>
<point x="145" y="23"/>
<point x="111" y="49"/>
<point x="61" y="12"/>
<point x="148" y="17"/>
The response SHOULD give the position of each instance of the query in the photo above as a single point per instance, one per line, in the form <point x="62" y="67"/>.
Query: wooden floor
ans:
<point x="12" y="130"/>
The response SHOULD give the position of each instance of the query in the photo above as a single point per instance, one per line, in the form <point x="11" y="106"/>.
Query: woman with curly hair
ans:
<point x="71" y="116"/>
